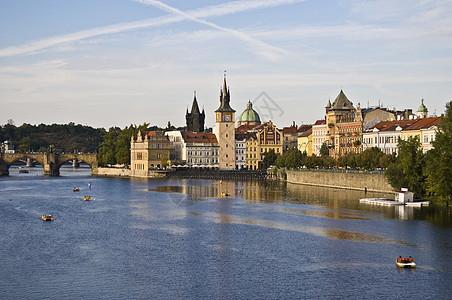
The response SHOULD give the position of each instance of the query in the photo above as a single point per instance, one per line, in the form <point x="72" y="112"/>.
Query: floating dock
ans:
<point x="390" y="202"/>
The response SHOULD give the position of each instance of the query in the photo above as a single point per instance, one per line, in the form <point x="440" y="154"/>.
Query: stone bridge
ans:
<point x="50" y="162"/>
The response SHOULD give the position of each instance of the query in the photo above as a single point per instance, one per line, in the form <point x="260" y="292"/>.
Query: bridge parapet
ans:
<point x="50" y="162"/>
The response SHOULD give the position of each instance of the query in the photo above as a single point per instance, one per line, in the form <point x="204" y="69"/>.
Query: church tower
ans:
<point x="195" y="119"/>
<point x="225" y="130"/>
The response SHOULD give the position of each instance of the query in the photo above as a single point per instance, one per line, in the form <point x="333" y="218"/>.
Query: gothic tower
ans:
<point x="225" y="129"/>
<point x="195" y="119"/>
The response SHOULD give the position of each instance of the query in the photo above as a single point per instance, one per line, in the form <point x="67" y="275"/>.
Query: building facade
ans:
<point x="319" y="136"/>
<point x="148" y="150"/>
<point x="304" y="142"/>
<point x="202" y="149"/>
<point x="178" y="148"/>
<point x="240" y="150"/>
<point x="385" y="135"/>
<point x="344" y="126"/>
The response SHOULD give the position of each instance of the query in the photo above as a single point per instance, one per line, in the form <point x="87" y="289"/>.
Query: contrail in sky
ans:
<point x="255" y="42"/>
<point x="209" y="11"/>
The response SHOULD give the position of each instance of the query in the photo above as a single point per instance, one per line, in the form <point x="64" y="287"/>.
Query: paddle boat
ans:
<point x="405" y="262"/>
<point x="47" y="217"/>
<point x="76" y="189"/>
<point x="226" y="194"/>
<point x="87" y="198"/>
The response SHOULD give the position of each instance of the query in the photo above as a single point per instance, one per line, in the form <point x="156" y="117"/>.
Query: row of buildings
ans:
<point x="242" y="143"/>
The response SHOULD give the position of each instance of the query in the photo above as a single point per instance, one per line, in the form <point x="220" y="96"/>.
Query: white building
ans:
<point x="178" y="151"/>
<point x="385" y="135"/>
<point x="240" y="147"/>
<point x="202" y="149"/>
<point x="319" y="136"/>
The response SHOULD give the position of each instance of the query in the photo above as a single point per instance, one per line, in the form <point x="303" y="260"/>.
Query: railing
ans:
<point x="339" y="171"/>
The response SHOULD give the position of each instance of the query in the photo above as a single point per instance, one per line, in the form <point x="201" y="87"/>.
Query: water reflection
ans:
<point x="318" y="231"/>
<point x="321" y="202"/>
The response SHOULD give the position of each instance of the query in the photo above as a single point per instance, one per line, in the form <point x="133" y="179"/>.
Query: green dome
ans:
<point x="249" y="115"/>
<point x="422" y="108"/>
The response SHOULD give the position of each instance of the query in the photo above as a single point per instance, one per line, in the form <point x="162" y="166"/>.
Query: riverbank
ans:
<point x="372" y="182"/>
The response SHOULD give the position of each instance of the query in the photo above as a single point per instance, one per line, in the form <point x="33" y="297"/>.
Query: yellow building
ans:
<point x="266" y="138"/>
<point x="304" y="142"/>
<point x="252" y="153"/>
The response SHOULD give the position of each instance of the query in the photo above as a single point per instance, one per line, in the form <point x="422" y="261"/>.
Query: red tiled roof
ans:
<point x="408" y="124"/>
<point x="199" y="137"/>
<point x="290" y="129"/>
<point x="304" y="128"/>
<point x="244" y="135"/>
<point x="392" y="125"/>
<point x="320" y="122"/>
<point x="245" y="128"/>
<point x="424" y="123"/>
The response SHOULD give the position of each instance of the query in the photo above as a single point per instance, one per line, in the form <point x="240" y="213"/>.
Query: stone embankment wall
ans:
<point x="113" y="172"/>
<point x="122" y="172"/>
<point x="372" y="182"/>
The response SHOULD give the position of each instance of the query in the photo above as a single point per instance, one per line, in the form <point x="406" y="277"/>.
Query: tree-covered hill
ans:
<point x="60" y="137"/>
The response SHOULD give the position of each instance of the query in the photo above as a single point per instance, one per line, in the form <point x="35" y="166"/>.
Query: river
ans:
<point x="179" y="239"/>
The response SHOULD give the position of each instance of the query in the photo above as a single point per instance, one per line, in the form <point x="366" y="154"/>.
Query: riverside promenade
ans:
<point x="191" y="174"/>
<point x="219" y="174"/>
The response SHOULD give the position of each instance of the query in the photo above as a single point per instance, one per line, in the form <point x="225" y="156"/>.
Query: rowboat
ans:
<point x="405" y="263"/>
<point x="47" y="217"/>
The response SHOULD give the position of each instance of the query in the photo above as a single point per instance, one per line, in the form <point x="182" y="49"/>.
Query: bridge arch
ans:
<point x="89" y="159"/>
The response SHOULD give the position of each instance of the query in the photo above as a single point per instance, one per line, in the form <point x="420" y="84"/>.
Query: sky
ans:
<point x="106" y="63"/>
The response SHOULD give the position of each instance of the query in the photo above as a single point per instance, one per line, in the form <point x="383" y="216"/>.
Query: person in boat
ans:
<point x="405" y="260"/>
<point x="410" y="259"/>
<point x="399" y="259"/>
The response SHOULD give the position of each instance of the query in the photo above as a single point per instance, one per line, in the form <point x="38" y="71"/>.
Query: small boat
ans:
<point x="405" y="263"/>
<point x="47" y="217"/>
<point x="76" y="189"/>
<point x="87" y="198"/>
<point x="225" y="194"/>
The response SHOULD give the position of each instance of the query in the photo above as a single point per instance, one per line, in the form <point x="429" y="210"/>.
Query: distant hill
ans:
<point x="60" y="137"/>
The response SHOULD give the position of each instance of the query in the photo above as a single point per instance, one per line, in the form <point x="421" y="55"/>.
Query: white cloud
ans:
<point x="210" y="11"/>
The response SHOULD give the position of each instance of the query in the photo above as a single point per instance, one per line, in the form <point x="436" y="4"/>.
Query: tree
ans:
<point x="370" y="158"/>
<point x="293" y="158"/>
<point x="408" y="168"/>
<point x="164" y="162"/>
<point x="324" y="150"/>
<point x="439" y="161"/>
<point x="269" y="158"/>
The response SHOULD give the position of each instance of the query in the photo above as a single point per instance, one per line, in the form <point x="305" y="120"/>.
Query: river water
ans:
<point x="179" y="239"/>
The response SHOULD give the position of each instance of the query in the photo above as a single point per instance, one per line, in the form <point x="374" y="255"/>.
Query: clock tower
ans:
<point x="225" y="130"/>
